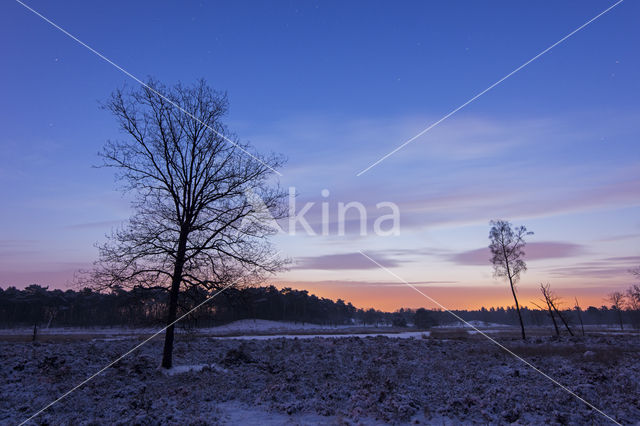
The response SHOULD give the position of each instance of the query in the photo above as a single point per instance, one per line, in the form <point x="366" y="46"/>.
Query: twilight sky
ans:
<point x="334" y="86"/>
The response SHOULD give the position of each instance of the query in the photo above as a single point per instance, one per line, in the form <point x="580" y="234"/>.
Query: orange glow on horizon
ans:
<point x="393" y="297"/>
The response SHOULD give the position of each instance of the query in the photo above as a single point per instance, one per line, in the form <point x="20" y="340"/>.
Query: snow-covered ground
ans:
<point x="241" y="327"/>
<point x="256" y="329"/>
<point x="473" y="323"/>
<point x="71" y="331"/>
<point x="259" y="325"/>
<point x="347" y="380"/>
<point x="400" y="335"/>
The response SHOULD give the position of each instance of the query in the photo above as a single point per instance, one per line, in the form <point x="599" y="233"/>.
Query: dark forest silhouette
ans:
<point x="139" y="307"/>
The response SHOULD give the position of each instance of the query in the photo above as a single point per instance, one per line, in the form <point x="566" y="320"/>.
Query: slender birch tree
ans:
<point x="507" y="256"/>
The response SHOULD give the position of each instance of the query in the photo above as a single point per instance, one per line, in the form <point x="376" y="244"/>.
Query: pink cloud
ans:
<point x="533" y="251"/>
<point x="343" y="261"/>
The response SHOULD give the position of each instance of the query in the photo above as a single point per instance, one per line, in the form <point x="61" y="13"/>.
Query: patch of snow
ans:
<point x="474" y="323"/>
<point x="259" y="325"/>
<point x="181" y="369"/>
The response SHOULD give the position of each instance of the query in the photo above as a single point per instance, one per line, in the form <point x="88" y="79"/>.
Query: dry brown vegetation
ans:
<point x="449" y="333"/>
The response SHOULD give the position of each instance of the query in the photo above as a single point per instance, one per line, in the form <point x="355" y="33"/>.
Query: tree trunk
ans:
<point x="580" y="316"/>
<point x="167" y="354"/>
<point x="555" y="324"/>
<point x="513" y="291"/>
<point x="620" y="319"/>
<point x="562" y="318"/>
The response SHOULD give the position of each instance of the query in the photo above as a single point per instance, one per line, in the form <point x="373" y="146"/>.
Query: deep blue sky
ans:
<point x="335" y="85"/>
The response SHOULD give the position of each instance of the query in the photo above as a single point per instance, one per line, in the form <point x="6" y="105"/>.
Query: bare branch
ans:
<point x="190" y="189"/>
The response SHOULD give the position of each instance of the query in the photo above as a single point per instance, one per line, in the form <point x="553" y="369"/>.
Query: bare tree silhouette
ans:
<point x="550" y="311"/>
<point x="617" y="301"/>
<point x="193" y="223"/>
<point x="552" y="302"/>
<point x="633" y="301"/>
<point x="507" y="250"/>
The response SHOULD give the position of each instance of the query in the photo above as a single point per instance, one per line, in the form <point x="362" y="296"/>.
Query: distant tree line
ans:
<point x="606" y="315"/>
<point x="147" y="307"/>
<point x="138" y="307"/>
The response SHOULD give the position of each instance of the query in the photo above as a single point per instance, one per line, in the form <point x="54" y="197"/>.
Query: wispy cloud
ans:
<point x="95" y="225"/>
<point x="10" y="249"/>
<point x="605" y="268"/>
<point x="475" y="169"/>
<point x="534" y="251"/>
<point x="619" y="237"/>
<point x="9" y="244"/>
<point x="345" y="261"/>
<point x="360" y="283"/>
<point x="626" y="259"/>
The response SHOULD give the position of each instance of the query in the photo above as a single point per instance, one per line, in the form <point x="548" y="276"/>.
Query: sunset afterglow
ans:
<point x="553" y="147"/>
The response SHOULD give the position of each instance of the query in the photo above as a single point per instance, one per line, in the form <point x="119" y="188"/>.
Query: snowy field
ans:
<point x="241" y="327"/>
<point x="264" y="329"/>
<point x="450" y="377"/>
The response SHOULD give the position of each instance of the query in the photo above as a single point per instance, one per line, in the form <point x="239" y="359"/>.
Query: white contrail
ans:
<point x="381" y="159"/>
